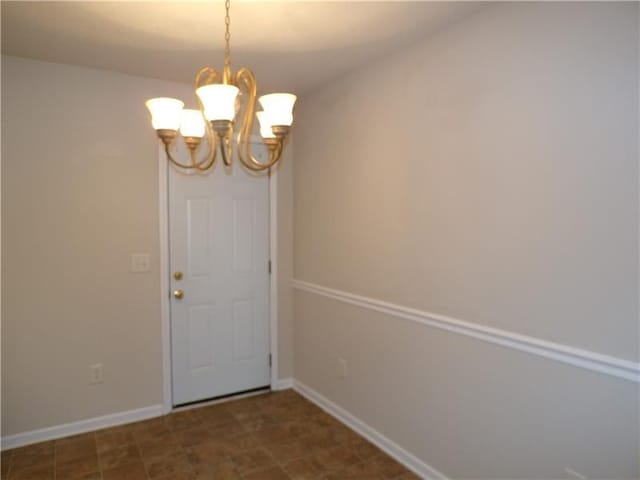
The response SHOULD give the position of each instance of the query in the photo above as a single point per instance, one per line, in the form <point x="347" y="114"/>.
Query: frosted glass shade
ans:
<point x="219" y="101"/>
<point x="265" y="125"/>
<point x="165" y="112"/>
<point x="192" y="123"/>
<point x="279" y="107"/>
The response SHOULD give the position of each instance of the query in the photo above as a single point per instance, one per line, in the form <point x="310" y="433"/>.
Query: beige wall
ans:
<point x="490" y="173"/>
<point x="79" y="195"/>
<point x="284" y="172"/>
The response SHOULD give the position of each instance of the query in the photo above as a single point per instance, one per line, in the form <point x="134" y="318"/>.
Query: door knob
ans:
<point x="177" y="275"/>
<point x="178" y="294"/>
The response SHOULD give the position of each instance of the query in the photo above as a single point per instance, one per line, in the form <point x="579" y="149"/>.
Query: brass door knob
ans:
<point x="178" y="294"/>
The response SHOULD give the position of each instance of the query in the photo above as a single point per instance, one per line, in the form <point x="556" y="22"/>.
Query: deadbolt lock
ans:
<point x="177" y="275"/>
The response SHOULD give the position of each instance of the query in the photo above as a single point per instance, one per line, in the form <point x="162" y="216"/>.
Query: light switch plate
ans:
<point x="140" y="262"/>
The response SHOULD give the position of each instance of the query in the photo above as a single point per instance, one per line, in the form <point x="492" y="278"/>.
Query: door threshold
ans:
<point x="221" y="398"/>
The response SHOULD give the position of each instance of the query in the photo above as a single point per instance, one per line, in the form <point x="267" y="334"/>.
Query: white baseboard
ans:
<point x="391" y="448"/>
<point x="60" y="431"/>
<point x="96" y="423"/>
<point x="282" y="384"/>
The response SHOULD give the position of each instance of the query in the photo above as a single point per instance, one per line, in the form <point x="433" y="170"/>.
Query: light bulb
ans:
<point x="165" y="112"/>
<point x="265" y="125"/>
<point x="192" y="123"/>
<point x="279" y="107"/>
<point x="219" y="101"/>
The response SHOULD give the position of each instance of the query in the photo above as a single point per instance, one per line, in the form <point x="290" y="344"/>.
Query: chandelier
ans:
<point x="219" y="99"/>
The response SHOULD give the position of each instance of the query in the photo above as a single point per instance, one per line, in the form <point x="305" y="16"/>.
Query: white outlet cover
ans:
<point x="343" y="367"/>
<point x="96" y="373"/>
<point x="140" y="263"/>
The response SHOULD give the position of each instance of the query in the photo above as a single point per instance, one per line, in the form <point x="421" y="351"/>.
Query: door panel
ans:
<point x="219" y="239"/>
<point x="243" y="330"/>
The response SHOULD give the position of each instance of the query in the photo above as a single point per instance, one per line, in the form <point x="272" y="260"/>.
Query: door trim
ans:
<point x="165" y="316"/>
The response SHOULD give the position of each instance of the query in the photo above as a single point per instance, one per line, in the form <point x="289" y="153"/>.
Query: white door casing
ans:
<point x="219" y="238"/>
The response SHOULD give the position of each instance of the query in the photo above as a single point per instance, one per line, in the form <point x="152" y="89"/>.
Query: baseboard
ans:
<point x="282" y="384"/>
<point x="96" y="423"/>
<point x="385" y="444"/>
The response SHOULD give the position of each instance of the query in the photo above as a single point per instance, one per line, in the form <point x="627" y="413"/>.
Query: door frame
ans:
<point x="165" y="307"/>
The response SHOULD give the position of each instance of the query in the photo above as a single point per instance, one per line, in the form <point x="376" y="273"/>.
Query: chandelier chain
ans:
<point x="227" y="36"/>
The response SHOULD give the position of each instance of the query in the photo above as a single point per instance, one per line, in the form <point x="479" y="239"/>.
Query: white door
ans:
<point x="219" y="241"/>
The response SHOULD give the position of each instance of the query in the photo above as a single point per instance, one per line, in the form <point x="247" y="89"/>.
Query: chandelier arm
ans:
<point x="176" y="162"/>
<point x="212" y="148"/>
<point x="226" y="148"/>
<point x="212" y="77"/>
<point x="246" y="80"/>
<point x="274" y="155"/>
<point x="203" y="165"/>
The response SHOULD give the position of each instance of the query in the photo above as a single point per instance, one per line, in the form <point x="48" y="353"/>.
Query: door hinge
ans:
<point x="269" y="360"/>
<point x="269" y="267"/>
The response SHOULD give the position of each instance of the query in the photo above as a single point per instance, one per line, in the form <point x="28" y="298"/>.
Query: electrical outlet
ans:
<point x="573" y="474"/>
<point x="343" y="368"/>
<point x="96" y="373"/>
<point x="140" y="263"/>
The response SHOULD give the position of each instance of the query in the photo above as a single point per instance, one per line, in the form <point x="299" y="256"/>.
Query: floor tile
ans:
<point x="180" y="476"/>
<point x="364" y="449"/>
<point x="183" y="420"/>
<point x="212" y="452"/>
<point x="23" y="461"/>
<point x="75" y="468"/>
<point x="39" y="454"/>
<point x="273" y="473"/>
<point x="166" y="464"/>
<point x="287" y="451"/>
<point x="134" y="471"/>
<point x="408" y="476"/>
<point x="225" y="470"/>
<point x="214" y="416"/>
<point x="389" y="467"/>
<point x="76" y="439"/>
<point x="162" y="443"/>
<point x="111" y="438"/>
<point x="361" y="471"/>
<point x="240" y="443"/>
<point x="251" y="460"/>
<point x="275" y="436"/>
<point x="72" y="450"/>
<point x="337" y="458"/>
<point x="87" y="476"/>
<point x="227" y="430"/>
<point x="119" y="456"/>
<point x="193" y="436"/>
<point x="304" y="469"/>
<point x="42" y="472"/>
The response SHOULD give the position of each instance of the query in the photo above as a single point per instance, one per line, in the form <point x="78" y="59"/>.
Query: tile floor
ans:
<point x="272" y="436"/>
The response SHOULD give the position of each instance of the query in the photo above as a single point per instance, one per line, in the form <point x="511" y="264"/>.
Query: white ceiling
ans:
<point x="291" y="46"/>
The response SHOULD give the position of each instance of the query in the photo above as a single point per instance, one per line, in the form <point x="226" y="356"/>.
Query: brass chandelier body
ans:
<point x="219" y="132"/>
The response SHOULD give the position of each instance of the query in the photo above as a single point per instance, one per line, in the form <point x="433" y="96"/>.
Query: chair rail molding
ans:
<point x="578" y="357"/>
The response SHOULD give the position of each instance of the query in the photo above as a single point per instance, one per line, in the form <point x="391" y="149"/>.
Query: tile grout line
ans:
<point x="55" y="459"/>
<point x="135" y="440"/>
<point x="95" y="441"/>
<point x="182" y="448"/>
